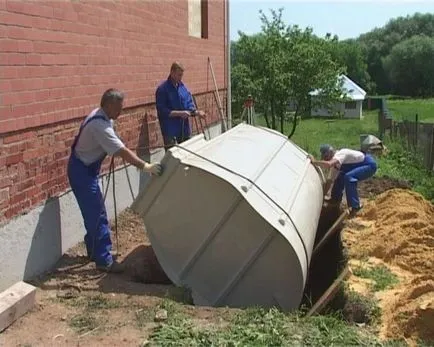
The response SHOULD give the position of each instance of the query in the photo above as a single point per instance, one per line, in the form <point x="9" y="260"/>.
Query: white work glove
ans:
<point x="153" y="168"/>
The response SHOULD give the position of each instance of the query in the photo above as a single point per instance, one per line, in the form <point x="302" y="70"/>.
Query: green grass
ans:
<point x="88" y="318"/>
<point x="312" y="132"/>
<point x="383" y="278"/>
<point x="408" y="108"/>
<point x="259" y="327"/>
<point x="399" y="163"/>
<point x="83" y="323"/>
<point x="144" y="316"/>
<point x="96" y="302"/>
<point x="402" y="164"/>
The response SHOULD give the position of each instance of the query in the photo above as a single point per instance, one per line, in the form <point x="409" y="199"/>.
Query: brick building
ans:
<point x="56" y="59"/>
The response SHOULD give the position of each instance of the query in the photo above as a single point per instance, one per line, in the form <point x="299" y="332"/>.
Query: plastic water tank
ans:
<point x="234" y="218"/>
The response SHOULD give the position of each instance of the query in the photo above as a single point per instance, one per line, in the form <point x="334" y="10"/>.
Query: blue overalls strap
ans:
<point x="82" y="127"/>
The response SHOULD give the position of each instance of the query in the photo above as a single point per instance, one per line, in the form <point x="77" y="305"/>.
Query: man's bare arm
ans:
<point x="177" y="113"/>
<point x="327" y="164"/>
<point x="130" y="157"/>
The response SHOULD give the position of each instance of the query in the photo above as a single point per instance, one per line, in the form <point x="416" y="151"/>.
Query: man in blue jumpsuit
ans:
<point x="347" y="167"/>
<point x="174" y="107"/>
<point x="97" y="138"/>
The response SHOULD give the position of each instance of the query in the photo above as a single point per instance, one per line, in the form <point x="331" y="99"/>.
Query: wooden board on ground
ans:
<point x="329" y="293"/>
<point x="15" y="302"/>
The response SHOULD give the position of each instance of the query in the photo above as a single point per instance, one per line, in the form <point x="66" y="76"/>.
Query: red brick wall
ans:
<point x="33" y="162"/>
<point x="57" y="58"/>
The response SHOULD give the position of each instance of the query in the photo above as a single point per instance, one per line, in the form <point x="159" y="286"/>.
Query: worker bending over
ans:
<point x="174" y="107"/>
<point x="347" y="167"/>
<point x="97" y="138"/>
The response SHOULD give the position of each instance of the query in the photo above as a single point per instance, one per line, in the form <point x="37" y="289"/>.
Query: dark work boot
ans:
<point x="353" y="211"/>
<point x="114" y="267"/>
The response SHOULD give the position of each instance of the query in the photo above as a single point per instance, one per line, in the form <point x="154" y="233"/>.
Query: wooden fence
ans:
<point x="417" y="136"/>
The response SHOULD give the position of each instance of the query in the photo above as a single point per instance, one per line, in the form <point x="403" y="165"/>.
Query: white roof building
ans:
<point x="351" y="107"/>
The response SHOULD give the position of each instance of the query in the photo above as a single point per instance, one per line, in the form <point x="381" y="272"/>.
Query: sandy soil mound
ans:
<point x="398" y="228"/>
<point x="402" y="232"/>
<point x="413" y="314"/>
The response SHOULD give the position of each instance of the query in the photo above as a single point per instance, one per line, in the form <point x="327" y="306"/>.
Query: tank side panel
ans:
<point x="306" y="210"/>
<point x="233" y="247"/>
<point x="187" y="210"/>
<point x="275" y="279"/>
<point x="254" y="149"/>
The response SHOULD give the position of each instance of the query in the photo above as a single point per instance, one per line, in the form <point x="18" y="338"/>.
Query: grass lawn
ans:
<point x="258" y="327"/>
<point x="407" y="109"/>
<point x="311" y="133"/>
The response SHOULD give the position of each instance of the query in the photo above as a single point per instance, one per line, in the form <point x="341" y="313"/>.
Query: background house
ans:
<point x="350" y="107"/>
<point x="57" y="58"/>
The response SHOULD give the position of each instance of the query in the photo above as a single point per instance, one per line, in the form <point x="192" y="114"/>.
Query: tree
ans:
<point x="410" y="66"/>
<point x="283" y="65"/>
<point x="354" y="57"/>
<point x="379" y="43"/>
<point x="244" y="58"/>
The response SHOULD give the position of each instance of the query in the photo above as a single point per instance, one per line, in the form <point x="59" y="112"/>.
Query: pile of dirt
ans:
<point x="398" y="228"/>
<point x="377" y="185"/>
<point x="402" y="232"/>
<point x="413" y="313"/>
<point x="141" y="262"/>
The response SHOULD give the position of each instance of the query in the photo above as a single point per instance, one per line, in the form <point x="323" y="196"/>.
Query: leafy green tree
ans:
<point x="379" y="43"/>
<point x="282" y="65"/>
<point x="410" y="66"/>
<point x="354" y="57"/>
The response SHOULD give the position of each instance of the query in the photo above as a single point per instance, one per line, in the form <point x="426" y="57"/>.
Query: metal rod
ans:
<point x="128" y="179"/>
<point x="112" y="168"/>
<point x="217" y="96"/>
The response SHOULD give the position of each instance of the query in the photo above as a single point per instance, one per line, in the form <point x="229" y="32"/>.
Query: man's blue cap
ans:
<point x="324" y="149"/>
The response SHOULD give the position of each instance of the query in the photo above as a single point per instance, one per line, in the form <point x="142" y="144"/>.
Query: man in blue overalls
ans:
<point x="347" y="167"/>
<point x="97" y="138"/>
<point x="174" y="107"/>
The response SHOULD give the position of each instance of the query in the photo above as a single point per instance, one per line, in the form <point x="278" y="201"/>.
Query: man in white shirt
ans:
<point x="97" y="138"/>
<point x="347" y="167"/>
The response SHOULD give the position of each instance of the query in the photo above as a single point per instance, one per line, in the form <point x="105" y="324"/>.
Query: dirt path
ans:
<point x="78" y="305"/>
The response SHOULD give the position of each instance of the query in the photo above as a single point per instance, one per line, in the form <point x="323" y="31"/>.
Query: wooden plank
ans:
<point x="15" y="302"/>
<point x="330" y="232"/>
<point x="329" y="293"/>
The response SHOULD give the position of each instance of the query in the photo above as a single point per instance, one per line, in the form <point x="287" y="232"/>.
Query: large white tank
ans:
<point x="234" y="218"/>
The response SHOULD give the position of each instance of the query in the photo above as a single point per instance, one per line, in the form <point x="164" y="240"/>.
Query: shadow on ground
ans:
<point x="143" y="276"/>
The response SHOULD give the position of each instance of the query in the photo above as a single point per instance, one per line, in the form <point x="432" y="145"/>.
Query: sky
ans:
<point x="347" y="19"/>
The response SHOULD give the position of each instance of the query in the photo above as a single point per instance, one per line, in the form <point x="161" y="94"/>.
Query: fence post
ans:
<point x="380" y="124"/>
<point x="431" y="164"/>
